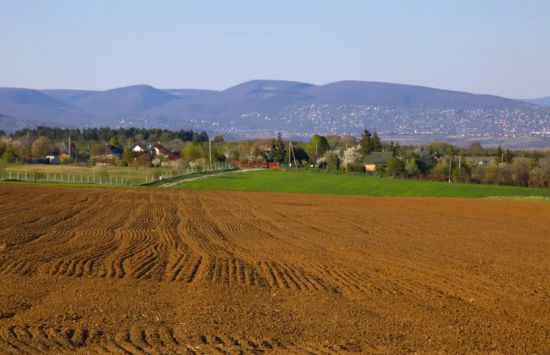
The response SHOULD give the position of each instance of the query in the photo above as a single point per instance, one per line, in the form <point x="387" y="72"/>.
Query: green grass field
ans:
<point x="68" y="173"/>
<point x="311" y="183"/>
<point x="154" y="184"/>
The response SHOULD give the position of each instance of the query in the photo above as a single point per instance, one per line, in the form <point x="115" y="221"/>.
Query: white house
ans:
<point x="139" y="148"/>
<point x="53" y="159"/>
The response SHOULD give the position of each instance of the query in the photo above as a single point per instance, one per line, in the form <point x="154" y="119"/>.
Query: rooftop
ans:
<point x="377" y="158"/>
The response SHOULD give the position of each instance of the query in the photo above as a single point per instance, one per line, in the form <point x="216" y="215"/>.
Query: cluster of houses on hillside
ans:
<point x="152" y="151"/>
<point x="113" y="153"/>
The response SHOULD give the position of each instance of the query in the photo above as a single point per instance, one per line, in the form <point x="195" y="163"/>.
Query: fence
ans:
<point x="104" y="179"/>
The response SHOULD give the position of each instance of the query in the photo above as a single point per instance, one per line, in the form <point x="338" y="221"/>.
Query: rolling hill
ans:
<point x="68" y="96"/>
<point x="11" y="124"/>
<point x="130" y="99"/>
<point x="402" y="96"/>
<point x="542" y="101"/>
<point x="256" y="105"/>
<point x="18" y="96"/>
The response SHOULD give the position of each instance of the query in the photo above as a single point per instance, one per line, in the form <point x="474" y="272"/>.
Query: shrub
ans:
<point x="36" y="175"/>
<point x="395" y="167"/>
<point x="103" y="175"/>
<point x="156" y="174"/>
<point x="66" y="160"/>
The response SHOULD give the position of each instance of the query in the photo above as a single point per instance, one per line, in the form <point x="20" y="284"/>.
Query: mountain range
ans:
<point x="255" y="105"/>
<point x="542" y="101"/>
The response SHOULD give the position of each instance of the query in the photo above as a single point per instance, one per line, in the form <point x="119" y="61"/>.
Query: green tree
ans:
<point x="218" y="138"/>
<point x="103" y="176"/>
<point x="192" y="152"/>
<point x="411" y="167"/>
<point x="395" y="167"/>
<point x="278" y="150"/>
<point x="97" y="149"/>
<point x="366" y="142"/>
<point x="499" y="155"/>
<point x="114" y="142"/>
<point x="196" y="139"/>
<point x="41" y="147"/>
<point x="396" y="149"/>
<point x="2" y="133"/>
<point x="127" y="157"/>
<point x="376" y="143"/>
<point x="508" y="157"/>
<point x="317" y="146"/>
<point x="8" y="157"/>
<point x="332" y="160"/>
<point x="440" y="171"/>
<point x="156" y="174"/>
<point x="534" y="161"/>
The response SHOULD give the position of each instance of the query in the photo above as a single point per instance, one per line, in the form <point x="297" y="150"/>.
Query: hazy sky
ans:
<point x="497" y="47"/>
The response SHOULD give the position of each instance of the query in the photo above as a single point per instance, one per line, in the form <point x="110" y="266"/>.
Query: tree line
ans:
<point x="105" y="134"/>
<point x="436" y="161"/>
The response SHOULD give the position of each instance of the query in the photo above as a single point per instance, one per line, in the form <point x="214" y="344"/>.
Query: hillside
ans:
<point x="403" y="96"/>
<point x="69" y="96"/>
<point x="542" y="101"/>
<point x="133" y="99"/>
<point x="11" y="124"/>
<point x="263" y="106"/>
<point x="18" y="96"/>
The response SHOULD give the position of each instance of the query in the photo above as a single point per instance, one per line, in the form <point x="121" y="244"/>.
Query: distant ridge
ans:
<point x="542" y="101"/>
<point x="254" y="105"/>
<point x="18" y="96"/>
<point x="133" y="99"/>
<point x="399" y="95"/>
<point x="68" y="96"/>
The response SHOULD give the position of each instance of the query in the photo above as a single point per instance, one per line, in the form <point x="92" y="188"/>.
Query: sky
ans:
<point x="479" y="46"/>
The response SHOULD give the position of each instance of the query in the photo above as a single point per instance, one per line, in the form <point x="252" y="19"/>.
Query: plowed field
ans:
<point x="158" y="271"/>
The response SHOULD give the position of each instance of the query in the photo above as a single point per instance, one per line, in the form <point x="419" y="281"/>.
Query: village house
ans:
<point x="139" y="148"/>
<point x="157" y="150"/>
<point x="112" y="152"/>
<point x="53" y="159"/>
<point x="374" y="159"/>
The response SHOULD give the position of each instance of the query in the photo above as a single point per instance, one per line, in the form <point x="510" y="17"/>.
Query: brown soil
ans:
<point x="136" y="271"/>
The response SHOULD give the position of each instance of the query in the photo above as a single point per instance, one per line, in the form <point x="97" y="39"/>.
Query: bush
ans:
<point x="440" y="172"/>
<point x="36" y="175"/>
<point x="103" y="175"/>
<point x="395" y="167"/>
<point x="66" y="160"/>
<point x="538" y="178"/>
<point x="156" y="174"/>
<point x="8" y="157"/>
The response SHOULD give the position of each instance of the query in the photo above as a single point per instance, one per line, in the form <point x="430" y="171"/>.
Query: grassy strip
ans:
<point x="184" y="177"/>
<point x="69" y="184"/>
<point x="77" y="184"/>
<point x="278" y="181"/>
<point x="540" y="199"/>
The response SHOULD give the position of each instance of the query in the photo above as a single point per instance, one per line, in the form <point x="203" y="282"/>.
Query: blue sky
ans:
<point x="482" y="46"/>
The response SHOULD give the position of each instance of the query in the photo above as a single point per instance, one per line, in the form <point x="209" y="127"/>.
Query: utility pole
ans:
<point x="315" y="155"/>
<point x="346" y="157"/>
<point x="450" y="169"/>
<point x="210" y="144"/>
<point x="291" y="150"/>
<point x="289" y="156"/>
<point x="69" y="147"/>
